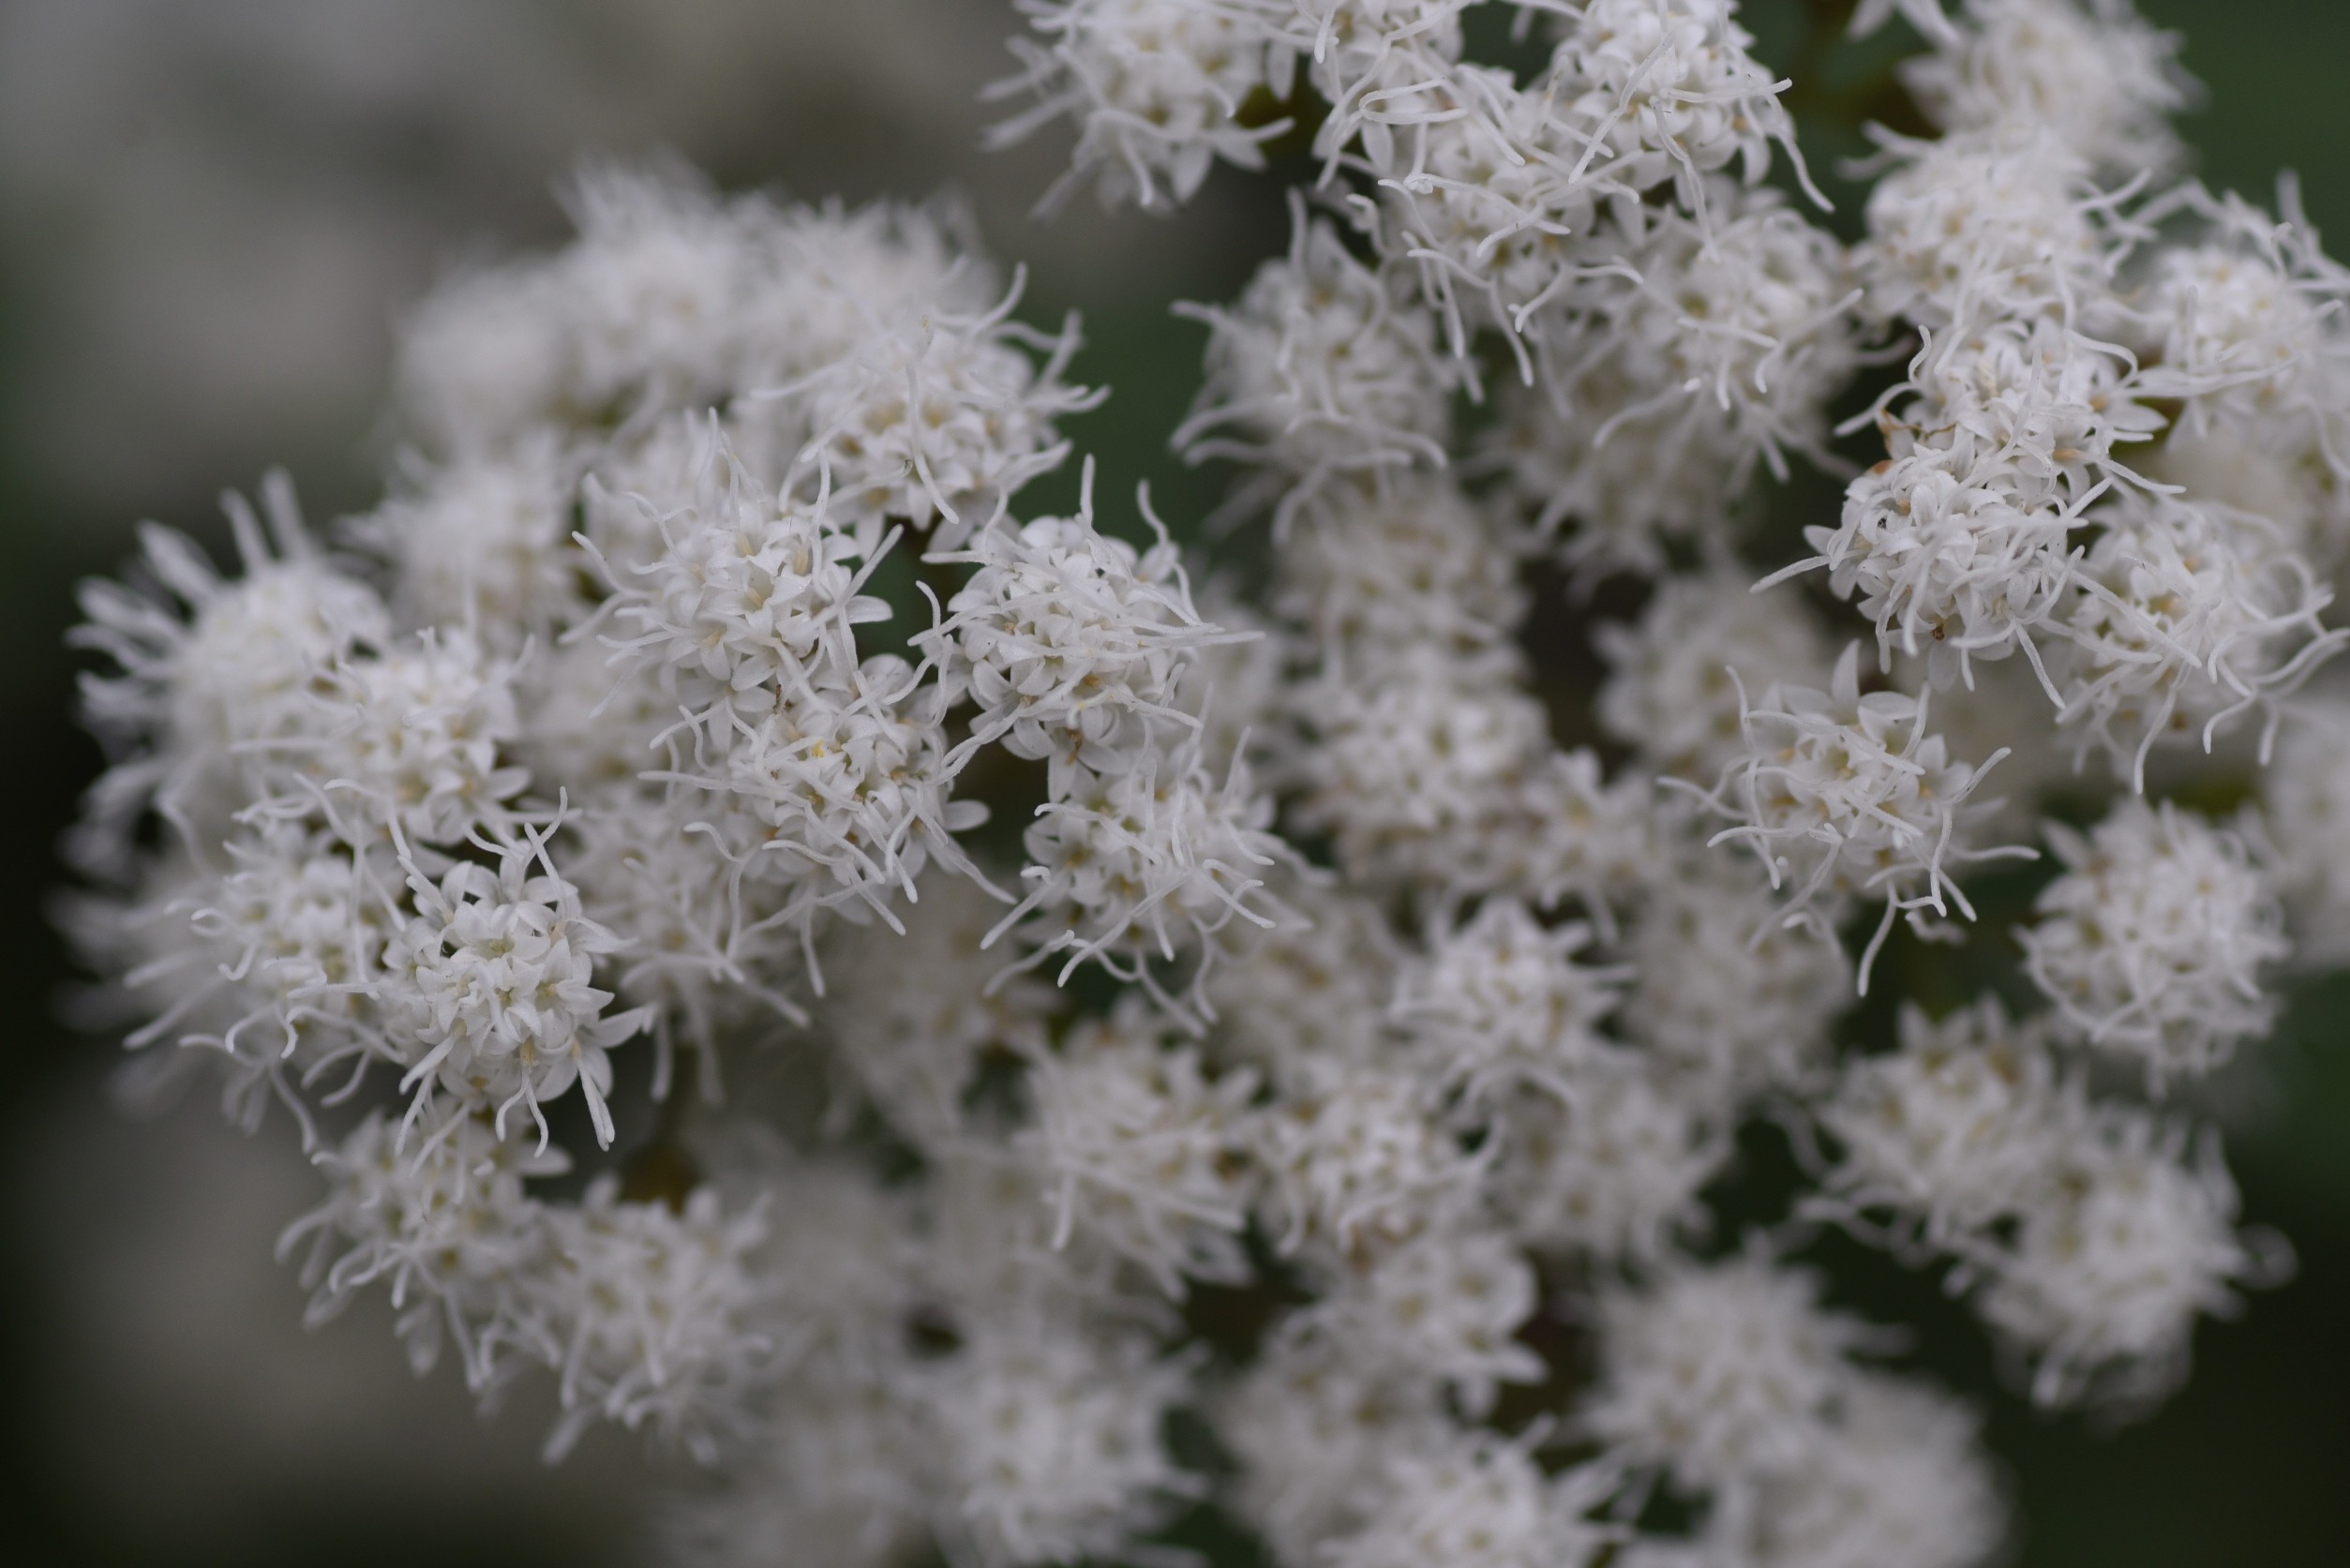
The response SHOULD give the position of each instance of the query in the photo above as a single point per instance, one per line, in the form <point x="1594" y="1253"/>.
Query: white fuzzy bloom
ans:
<point x="1157" y="88"/>
<point x="1718" y="1374"/>
<point x="414" y="740"/>
<point x="2092" y="73"/>
<point x="488" y="991"/>
<point x="936" y="418"/>
<point x="1051" y="1440"/>
<point x="2181" y="621"/>
<point x="2305" y="803"/>
<point x="696" y="950"/>
<point x="1731" y="1001"/>
<point x="846" y="789"/>
<point x="1478" y="1502"/>
<point x="1498" y="1002"/>
<point x="653" y="1309"/>
<point x="1841" y="794"/>
<point x="1151" y="864"/>
<point x="484" y="543"/>
<point x="1665" y="91"/>
<point x="747" y="599"/>
<point x="200" y="698"/>
<point x="268" y="962"/>
<point x="1957" y="546"/>
<point x="1358" y="1157"/>
<point x="1411" y="561"/>
<point x="1961" y="1127"/>
<point x="2105" y="1280"/>
<point x="1314" y="1429"/>
<point x="2153" y="943"/>
<point x="1669" y="693"/>
<point x="1904" y="1485"/>
<point x="1313" y="991"/>
<point x="1982" y="225"/>
<point x="1143" y="1151"/>
<point x="1072" y="642"/>
<point x="1440" y="772"/>
<point x="442" y="1219"/>
<point x="1925" y="15"/>
<point x="1614" y="1172"/>
<point x="1323" y="366"/>
<point x="1446" y="1304"/>
<point x="913" y="1049"/>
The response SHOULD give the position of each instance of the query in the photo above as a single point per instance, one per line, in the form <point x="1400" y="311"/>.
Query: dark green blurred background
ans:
<point x="211" y="211"/>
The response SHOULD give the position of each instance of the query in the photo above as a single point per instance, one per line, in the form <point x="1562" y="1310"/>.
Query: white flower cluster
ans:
<point x="1347" y="1055"/>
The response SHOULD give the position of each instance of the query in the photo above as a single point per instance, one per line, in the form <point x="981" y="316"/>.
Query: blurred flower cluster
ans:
<point x="990" y="1040"/>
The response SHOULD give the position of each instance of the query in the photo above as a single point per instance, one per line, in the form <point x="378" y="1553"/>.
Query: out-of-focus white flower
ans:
<point x="2105" y="1280"/>
<point x="1613" y="1172"/>
<point x="1445" y="1304"/>
<point x="1407" y="563"/>
<point x="1731" y="1001"/>
<point x="1144" y="1151"/>
<point x="1669" y="693"/>
<point x="1905" y="1483"/>
<point x="1051" y="1435"/>
<point x="1498" y="1001"/>
<point x="1323" y="366"/>
<point x="1358" y="1157"/>
<point x="654" y="1312"/>
<point x="2153" y="943"/>
<point x="2096" y="75"/>
<point x="2305" y="808"/>
<point x="1478" y="1502"/>
<point x="1716" y="1375"/>
<point x="1959" y="1128"/>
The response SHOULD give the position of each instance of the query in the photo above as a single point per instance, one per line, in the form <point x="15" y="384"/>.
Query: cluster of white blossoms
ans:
<point x="1316" y="1095"/>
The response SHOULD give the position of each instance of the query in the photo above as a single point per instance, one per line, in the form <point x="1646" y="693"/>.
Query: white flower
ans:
<point x="914" y="1048"/>
<point x="1983" y="226"/>
<point x="1731" y="1002"/>
<point x="1614" y="1172"/>
<point x="1324" y="367"/>
<point x="1143" y="1150"/>
<point x="652" y="1309"/>
<point x="2096" y="76"/>
<point x="484" y="543"/>
<point x="414" y="740"/>
<point x="442" y="1218"/>
<point x="1371" y="571"/>
<point x="1071" y="641"/>
<point x="1669" y="693"/>
<point x="1446" y="1304"/>
<point x="1904" y="1484"/>
<point x="749" y="599"/>
<point x="1720" y="1373"/>
<point x="1960" y="1128"/>
<point x="1479" y="1501"/>
<point x="2182" y="620"/>
<point x="2151" y="945"/>
<point x="1314" y="1428"/>
<point x="2104" y="1283"/>
<point x="1312" y="991"/>
<point x="1051" y="1439"/>
<point x="1157" y="88"/>
<point x="1498" y="1001"/>
<point x="488" y="991"/>
<point x="1358" y="1157"/>
<point x="1843" y="794"/>
<point x="197" y="696"/>
<point x="1153" y="864"/>
<point x="2305" y="804"/>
